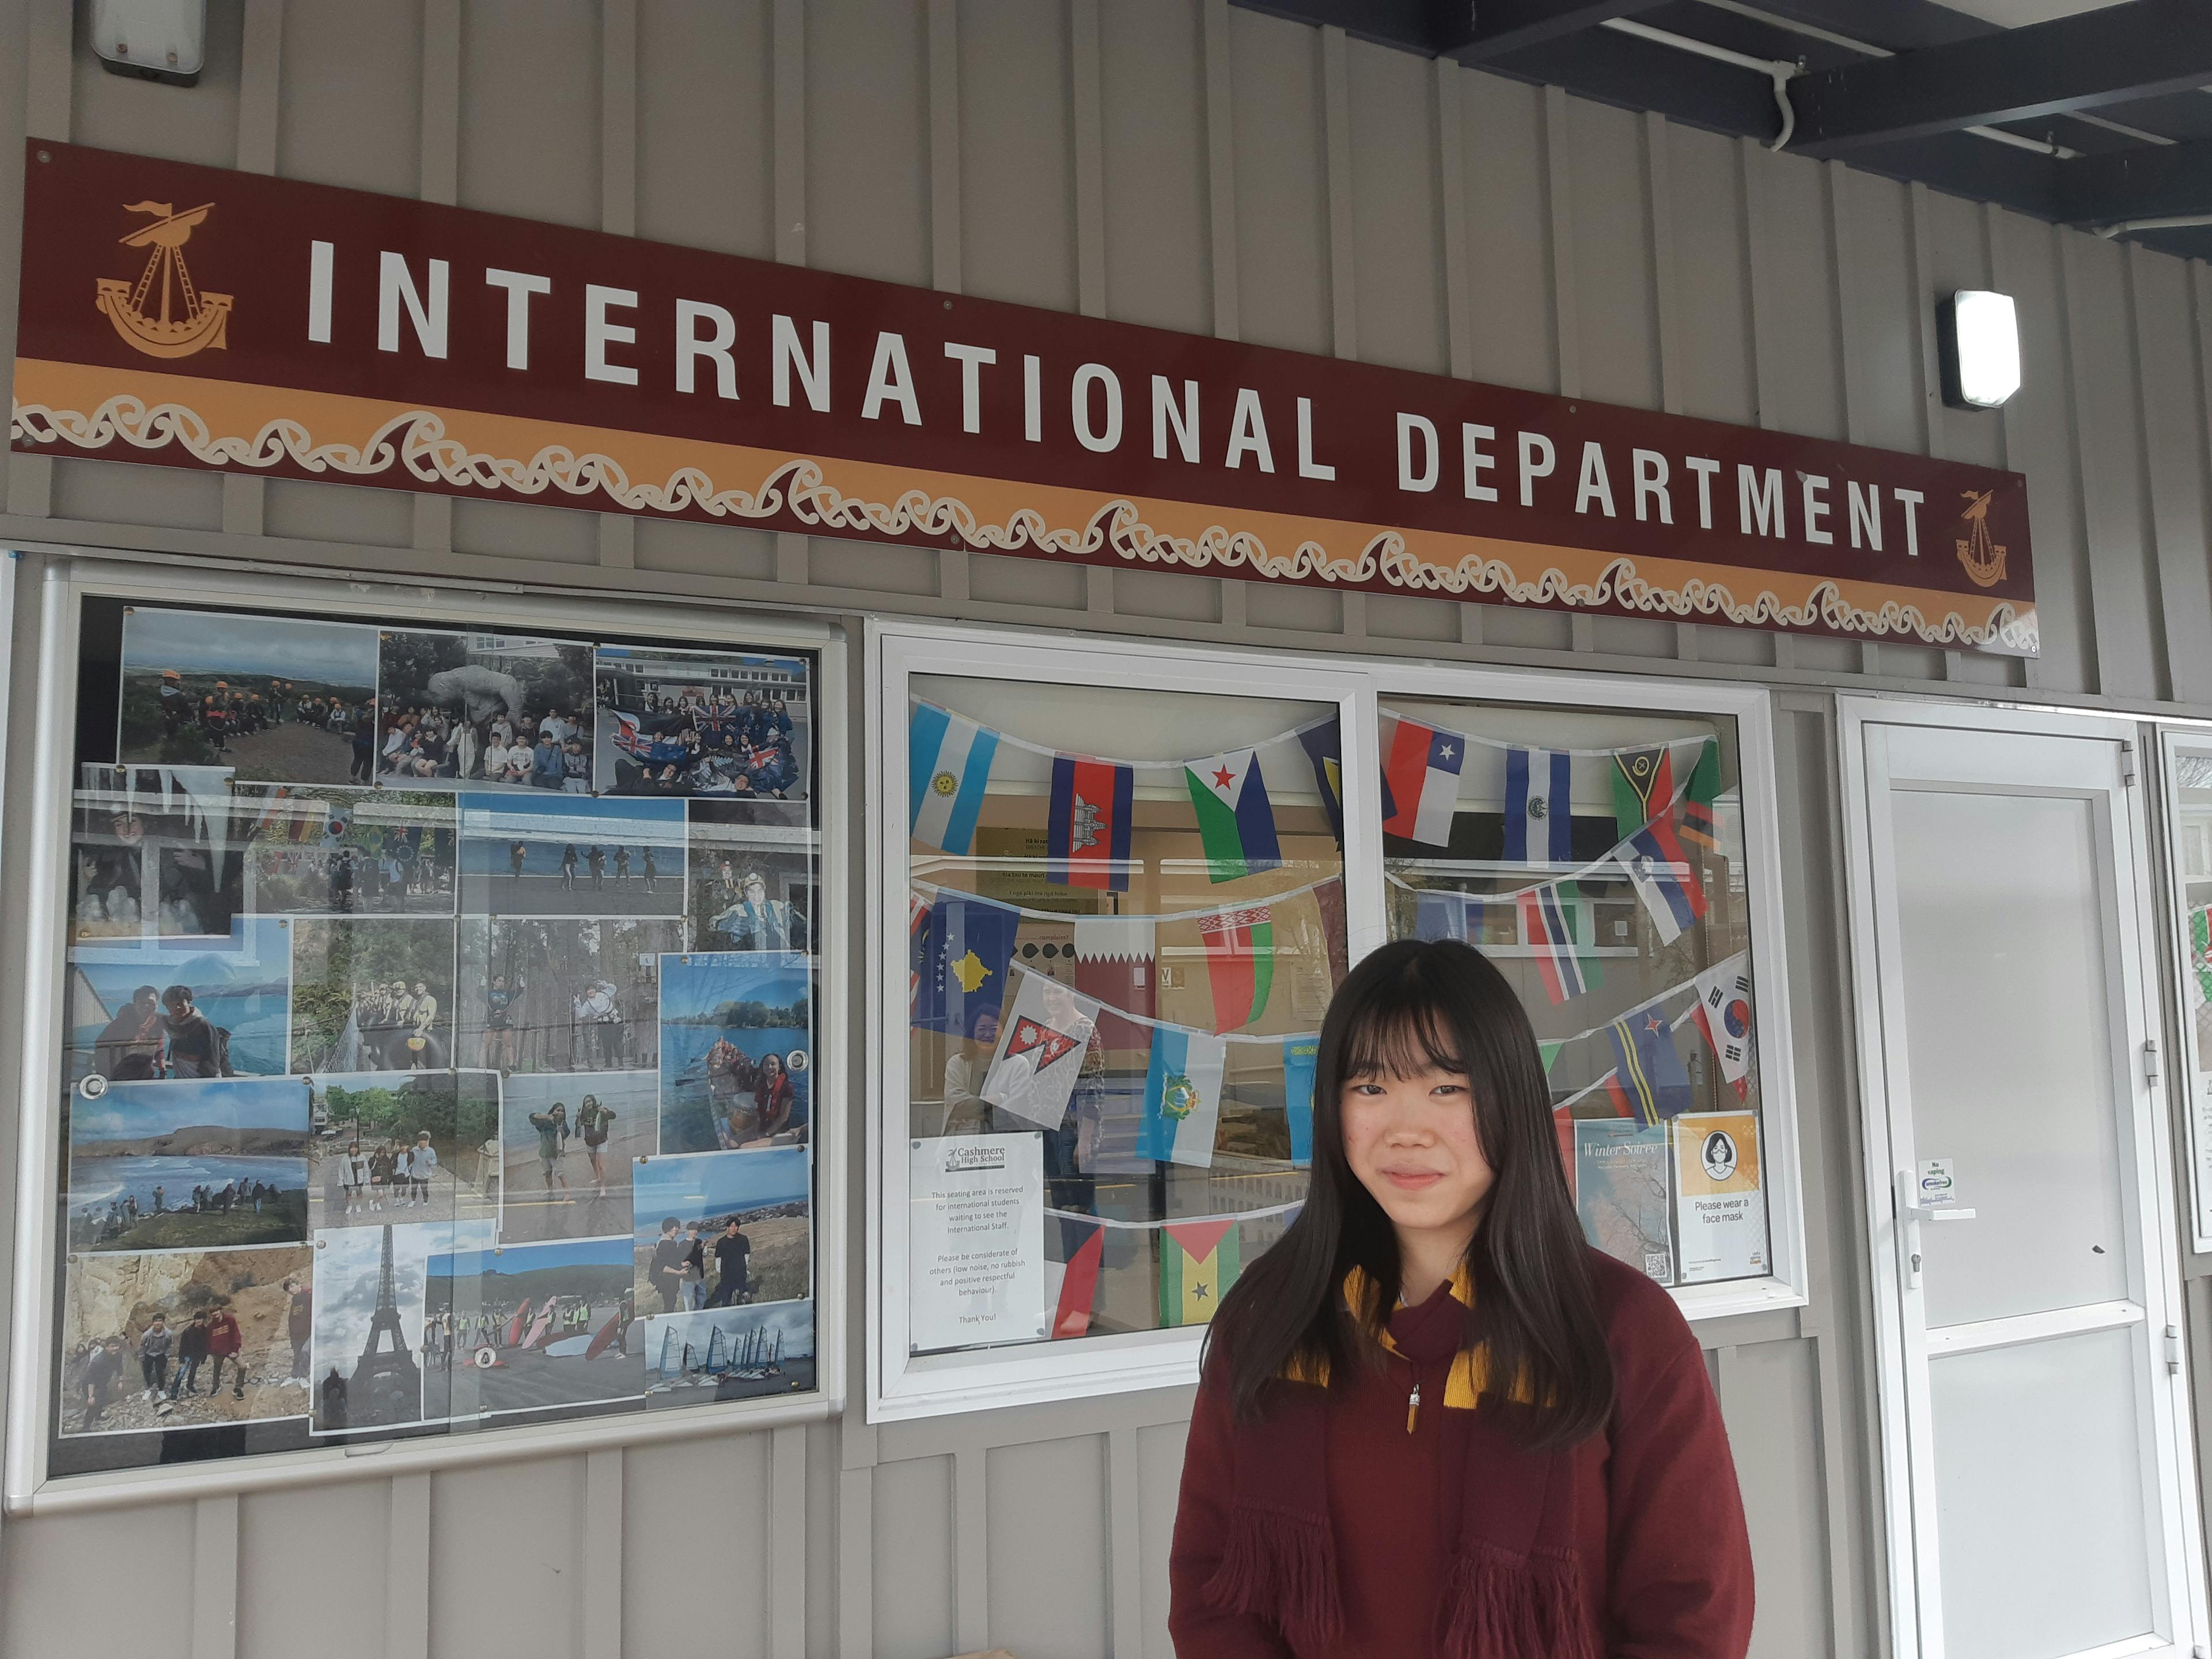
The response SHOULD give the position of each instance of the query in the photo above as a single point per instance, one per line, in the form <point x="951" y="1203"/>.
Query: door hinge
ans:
<point x="2128" y="763"/>
<point x="2173" y="1350"/>
<point x="2151" y="1072"/>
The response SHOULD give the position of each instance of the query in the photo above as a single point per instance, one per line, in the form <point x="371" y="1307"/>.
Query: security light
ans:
<point x="153" y="40"/>
<point x="1979" y="336"/>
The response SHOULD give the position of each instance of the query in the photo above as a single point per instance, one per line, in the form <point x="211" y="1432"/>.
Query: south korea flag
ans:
<point x="1724" y="1015"/>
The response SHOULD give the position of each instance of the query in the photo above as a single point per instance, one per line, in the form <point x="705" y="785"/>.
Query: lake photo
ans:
<point x="736" y="1050"/>
<point x="125" y="1024"/>
<point x="229" y="1158"/>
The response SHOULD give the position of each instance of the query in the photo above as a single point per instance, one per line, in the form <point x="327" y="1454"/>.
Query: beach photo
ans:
<point x="726" y="1354"/>
<point x="748" y="887"/>
<point x="184" y="1340"/>
<point x="561" y="996"/>
<point x="737" y="1050"/>
<point x="273" y="698"/>
<point x="489" y="711"/>
<point x="402" y="1146"/>
<point x="723" y="1229"/>
<point x="187" y="1165"/>
<point x="727" y="724"/>
<point x="563" y="856"/>
<point x="528" y="1327"/>
<point x="347" y="852"/>
<point x="139" y="867"/>
<point x="372" y="994"/>
<point x="180" y="1008"/>
<point x="366" y="1368"/>
<point x="566" y="1144"/>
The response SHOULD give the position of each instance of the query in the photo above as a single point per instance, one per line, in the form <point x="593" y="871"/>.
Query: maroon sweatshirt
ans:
<point x="1666" y="1561"/>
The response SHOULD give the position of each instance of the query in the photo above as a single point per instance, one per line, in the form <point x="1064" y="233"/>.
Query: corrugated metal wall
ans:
<point x="1177" y="163"/>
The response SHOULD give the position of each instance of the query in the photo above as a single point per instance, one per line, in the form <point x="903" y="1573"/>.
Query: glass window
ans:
<point x="1597" y="856"/>
<point x="439" y="1021"/>
<point x="1127" y="916"/>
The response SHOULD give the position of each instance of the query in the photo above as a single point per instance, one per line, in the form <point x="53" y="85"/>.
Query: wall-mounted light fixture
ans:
<point x="151" y="39"/>
<point x="1978" y="336"/>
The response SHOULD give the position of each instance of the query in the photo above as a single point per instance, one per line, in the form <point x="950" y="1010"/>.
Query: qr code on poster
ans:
<point x="1658" y="1264"/>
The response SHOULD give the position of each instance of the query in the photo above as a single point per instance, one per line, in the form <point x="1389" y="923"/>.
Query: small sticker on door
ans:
<point x="1939" y="1184"/>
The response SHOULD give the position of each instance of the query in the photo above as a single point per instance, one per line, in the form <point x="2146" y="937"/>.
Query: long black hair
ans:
<point x="1406" y="1008"/>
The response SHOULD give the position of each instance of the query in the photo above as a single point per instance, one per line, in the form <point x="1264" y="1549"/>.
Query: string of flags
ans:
<point x="1201" y="1257"/>
<point x="1648" y="1081"/>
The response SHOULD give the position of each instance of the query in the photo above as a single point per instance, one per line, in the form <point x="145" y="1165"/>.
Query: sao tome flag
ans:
<point x="1199" y="1261"/>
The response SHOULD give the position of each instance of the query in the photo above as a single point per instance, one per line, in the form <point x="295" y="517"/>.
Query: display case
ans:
<point x="2187" y="754"/>
<point x="426" y="1003"/>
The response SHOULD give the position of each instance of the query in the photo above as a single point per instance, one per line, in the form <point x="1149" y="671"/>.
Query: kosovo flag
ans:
<point x="962" y="949"/>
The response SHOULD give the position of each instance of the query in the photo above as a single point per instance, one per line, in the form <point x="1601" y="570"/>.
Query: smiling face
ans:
<point x="1412" y="1144"/>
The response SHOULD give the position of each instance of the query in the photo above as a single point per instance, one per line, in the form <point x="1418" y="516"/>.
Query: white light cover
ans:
<point x="1988" y="335"/>
<point x="165" y="37"/>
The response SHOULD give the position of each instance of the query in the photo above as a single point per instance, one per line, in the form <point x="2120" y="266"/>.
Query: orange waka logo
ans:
<point x="1984" y="558"/>
<point x="179" y="319"/>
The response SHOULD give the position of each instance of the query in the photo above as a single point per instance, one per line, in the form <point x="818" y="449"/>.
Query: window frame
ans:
<point x="2193" y="1172"/>
<point x="902" y="1387"/>
<point x="78" y="574"/>
<point x="1752" y="708"/>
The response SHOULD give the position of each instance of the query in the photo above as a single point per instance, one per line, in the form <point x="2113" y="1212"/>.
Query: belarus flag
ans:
<point x="1182" y="1096"/>
<point x="948" y="767"/>
<point x="1240" y="963"/>
<point x="1236" y="823"/>
<point x="1421" y="770"/>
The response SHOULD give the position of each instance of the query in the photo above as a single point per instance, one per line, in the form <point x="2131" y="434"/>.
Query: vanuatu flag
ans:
<point x="1199" y="1261"/>
<point x="1642" y="785"/>
<point x="1236" y="823"/>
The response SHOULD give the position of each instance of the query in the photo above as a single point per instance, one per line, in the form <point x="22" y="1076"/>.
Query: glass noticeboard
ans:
<point x="438" y="1028"/>
<point x="2189" y="834"/>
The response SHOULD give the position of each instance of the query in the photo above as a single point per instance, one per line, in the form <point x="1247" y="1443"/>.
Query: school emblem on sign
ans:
<point x="1178" y="1097"/>
<point x="164" y="314"/>
<point x="1983" y="559"/>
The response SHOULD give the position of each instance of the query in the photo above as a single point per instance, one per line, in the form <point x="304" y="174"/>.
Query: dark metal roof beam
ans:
<point x="2155" y="181"/>
<point x="2137" y="50"/>
<point x="1489" y="29"/>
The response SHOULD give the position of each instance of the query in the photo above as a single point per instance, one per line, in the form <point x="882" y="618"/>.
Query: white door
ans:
<point x="2034" y="1409"/>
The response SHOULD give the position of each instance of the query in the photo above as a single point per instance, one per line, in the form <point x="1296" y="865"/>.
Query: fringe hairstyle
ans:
<point x="1406" y="1008"/>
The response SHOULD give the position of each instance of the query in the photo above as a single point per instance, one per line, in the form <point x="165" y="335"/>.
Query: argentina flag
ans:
<point x="948" y="767"/>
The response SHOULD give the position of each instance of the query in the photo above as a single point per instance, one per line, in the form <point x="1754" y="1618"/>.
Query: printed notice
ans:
<point x="1720" y="1204"/>
<point x="976" y="1244"/>
<point x="1620" y="1190"/>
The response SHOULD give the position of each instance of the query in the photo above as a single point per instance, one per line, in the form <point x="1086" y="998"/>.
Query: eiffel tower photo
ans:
<point x="388" y="1388"/>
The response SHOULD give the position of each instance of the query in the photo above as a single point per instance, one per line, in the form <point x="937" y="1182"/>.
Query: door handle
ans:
<point x="1910" y="1213"/>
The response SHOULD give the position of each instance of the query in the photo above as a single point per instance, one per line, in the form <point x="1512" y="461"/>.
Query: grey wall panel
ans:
<point x="523" y="530"/>
<point x="1801" y="384"/>
<point x="2039" y="441"/>
<point x="706" y="171"/>
<point x="1711" y="282"/>
<point x="1282" y="188"/>
<point x="1614" y="305"/>
<point x="1396" y="616"/>
<point x="351" y="93"/>
<point x="1310" y="610"/>
<point x="1153" y="116"/>
<point x="124" y="494"/>
<point x="1017" y="154"/>
<point x="999" y="581"/>
<point x="306" y="1560"/>
<point x="886" y="570"/>
<point x="1875" y="257"/>
<point x="694" y="1526"/>
<point x="1166" y="595"/>
<point x="337" y="513"/>
<point x="1769" y="1396"/>
<point x="1159" y="1473"/>
<point x="1048" y="1554"/>
<point x="913" y="1560"/>
<point x="706" y="549"/>
<point x="530" y="109"/>
<point x="867" y="146"/>
<point x="508" y="1558"/>
<point x="1397" y="261"/>
<point x="64" y="1596"/>
<point x="2175" y="455"/>
<point x="2129" y="653"/>
<point x="1508" y="258"/>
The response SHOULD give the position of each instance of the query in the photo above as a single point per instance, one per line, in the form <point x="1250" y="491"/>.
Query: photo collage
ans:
<point x="439" y="1032"/>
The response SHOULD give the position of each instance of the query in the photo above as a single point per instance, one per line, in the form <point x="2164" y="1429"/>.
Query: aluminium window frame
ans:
<point x="899" y="1387"/>
<point x="51" y="725"/>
